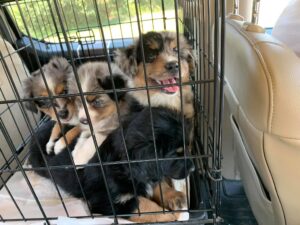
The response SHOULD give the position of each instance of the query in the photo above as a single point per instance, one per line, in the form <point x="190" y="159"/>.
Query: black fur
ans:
<point x="140" y="145"/>
<point x="119" y="83"/>
<point x="36" y="159"/>
<point x="148" y="39"/>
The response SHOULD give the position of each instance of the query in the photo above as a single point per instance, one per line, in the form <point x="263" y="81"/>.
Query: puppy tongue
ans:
<point x="171" y="89"/>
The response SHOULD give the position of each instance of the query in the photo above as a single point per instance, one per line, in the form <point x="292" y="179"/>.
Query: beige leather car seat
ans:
<point x="12" y="119"/>
<point x="263" y="93"/>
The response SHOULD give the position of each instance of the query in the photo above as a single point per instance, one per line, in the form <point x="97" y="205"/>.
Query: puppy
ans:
<point x="161" y="74"/>
<point x="102" y="108"/>
<point x="162" y="70"/>
<point x="144" y="172"/>
<point x="56" y="73"/>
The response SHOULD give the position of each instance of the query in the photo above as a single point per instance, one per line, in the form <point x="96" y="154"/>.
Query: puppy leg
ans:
<point x="54" y="135"/>
<point x="172" y="199"/>
<point x="146" y="205"/>
<point x="84" y="152"/>
<point x="181" y="185"/>
<point x="70" y="136"/>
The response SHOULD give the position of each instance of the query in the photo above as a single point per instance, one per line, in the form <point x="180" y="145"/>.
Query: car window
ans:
<point x="80" y="20"/>
<point x="267" y="17"/>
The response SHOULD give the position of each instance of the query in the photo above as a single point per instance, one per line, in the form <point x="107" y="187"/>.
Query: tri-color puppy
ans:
<point x="56" y="74"/>
<point x="127" y="186"/>
<point x="161" y="73"/>
<point x="161" y="69"/>
<point x="95" y="78"/>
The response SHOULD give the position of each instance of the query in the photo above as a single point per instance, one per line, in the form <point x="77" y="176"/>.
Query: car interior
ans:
<point x="261" y="105"/>
<point x="260" y="147"/>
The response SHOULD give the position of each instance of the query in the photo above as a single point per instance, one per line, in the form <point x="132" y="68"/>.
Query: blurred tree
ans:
<point x="80" y="14"/>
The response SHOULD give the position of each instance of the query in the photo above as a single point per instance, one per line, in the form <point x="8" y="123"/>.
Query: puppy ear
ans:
<point x="126" y="60"/>
<point x="119" y="81"/>
<point x="191" y="61"/>
<point x="59" y="66"/>
<point x="27" y="93"/>
<point x="186" y="51"/>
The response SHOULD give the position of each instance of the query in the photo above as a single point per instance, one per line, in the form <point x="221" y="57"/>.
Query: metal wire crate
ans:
<point x="35" y="30"/>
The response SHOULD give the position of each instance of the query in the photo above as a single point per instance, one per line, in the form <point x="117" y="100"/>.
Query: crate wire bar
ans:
<point x="39" y="29"/>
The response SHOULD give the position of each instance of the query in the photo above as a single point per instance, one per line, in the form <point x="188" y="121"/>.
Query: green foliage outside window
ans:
<point x="118" y="17"/>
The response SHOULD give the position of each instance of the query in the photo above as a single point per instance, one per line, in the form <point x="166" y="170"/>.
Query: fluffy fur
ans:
<point x="56" y="74"/>
<point x="162" y="70"/>
<point x="102" y="108"/>
<point x="140" y="145"/>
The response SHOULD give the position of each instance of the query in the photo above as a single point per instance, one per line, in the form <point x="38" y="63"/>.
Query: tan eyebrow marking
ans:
<point x="59" y="89"/>
<point x="90" y="98"/>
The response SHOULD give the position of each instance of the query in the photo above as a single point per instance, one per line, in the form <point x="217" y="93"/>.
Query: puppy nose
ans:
<point x="83" y="121"/>
<point x="172" y="66"/>
<point x="63" y="114"/>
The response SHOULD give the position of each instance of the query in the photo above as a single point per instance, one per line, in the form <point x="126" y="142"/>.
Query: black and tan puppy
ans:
<point x="102" y="109"/>
<point x="161" y="73"/>
<point x="130" y="188"/>
<point x="56" y="73"/>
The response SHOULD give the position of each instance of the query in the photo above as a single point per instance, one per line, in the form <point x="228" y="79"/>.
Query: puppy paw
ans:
<point x="83" y="152"/>
<point x="174" y="200"/>
<point x="59" y="146"/>
<point x="183" y="216"/>
<point x="49" y="147"/>
<point x="78" y="158"/>
<point x="75" y="156"/>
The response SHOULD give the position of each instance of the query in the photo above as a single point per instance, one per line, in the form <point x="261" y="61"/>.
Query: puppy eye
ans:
<point x="151" y="58"/>
<point x="65" y="91"/>
<point x="97" y="103"/>
<point x="175" y="49"/>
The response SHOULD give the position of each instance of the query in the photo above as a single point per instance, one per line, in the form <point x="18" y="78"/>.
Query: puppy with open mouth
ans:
<point x="161" y="70"/>
<point x="101" y="107"/>
<point x="56" y="73"/>
<point x="166" y="64"/>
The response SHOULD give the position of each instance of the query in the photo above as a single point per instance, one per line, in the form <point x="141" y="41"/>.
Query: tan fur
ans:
<point x="56" y="131"/>
<point x="71" y="135"/>
<point x="160" y="99"/>
<point x="171" y="199"/>
<point x="146" y="205"/>
<point x="59" y="89"/>
<point x="156" y="71"/>
<point x="153" y="44"/>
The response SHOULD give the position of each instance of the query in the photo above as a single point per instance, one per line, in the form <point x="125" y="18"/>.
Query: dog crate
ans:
<point x="32" y="31"/>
